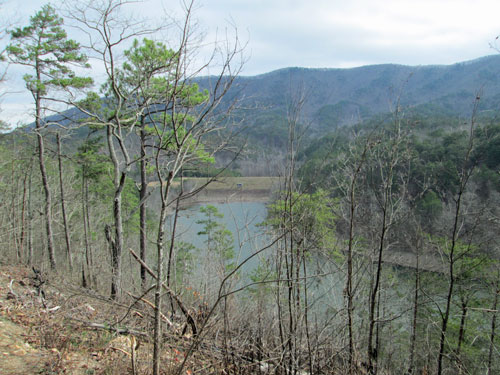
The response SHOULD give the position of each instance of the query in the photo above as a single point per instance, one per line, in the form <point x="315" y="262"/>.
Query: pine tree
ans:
<point x="44" y="48"/>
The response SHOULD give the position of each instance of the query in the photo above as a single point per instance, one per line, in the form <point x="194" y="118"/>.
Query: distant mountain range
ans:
<point x="343" y="96"/>
<point x="337" y="97"/>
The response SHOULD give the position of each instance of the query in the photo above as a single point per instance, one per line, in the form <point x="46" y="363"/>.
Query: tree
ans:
<point x="219" y="240"/>
<point x="44" y="48"/>
<point x="92" y="166"/>
<point x="387" y="182"/>
<point x="119" y="112"/>
<point x="353" y="169"/>
<point x="63" y="203"/>
<point x="464" y="170"/>
<point x="144" y="71"/>
<point x="152" y="89"/>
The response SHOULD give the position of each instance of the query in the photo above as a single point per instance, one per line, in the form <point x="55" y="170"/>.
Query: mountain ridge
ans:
<point x="353" y="94"/>
<point x="344" y="96"/>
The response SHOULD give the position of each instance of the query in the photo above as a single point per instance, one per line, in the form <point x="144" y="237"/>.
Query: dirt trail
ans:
<point x="51" y="336"/>
<point x="16" y="355"/>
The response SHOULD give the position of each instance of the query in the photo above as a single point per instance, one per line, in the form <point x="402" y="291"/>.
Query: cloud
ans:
<point x="333" y="34"/>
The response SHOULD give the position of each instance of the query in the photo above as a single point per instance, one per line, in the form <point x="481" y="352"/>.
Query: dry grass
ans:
<point x="233" y="183"/>
<point x="59" y="335"/>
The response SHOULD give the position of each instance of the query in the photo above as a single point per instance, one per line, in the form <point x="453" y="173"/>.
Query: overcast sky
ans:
<point x="329" y="33"/>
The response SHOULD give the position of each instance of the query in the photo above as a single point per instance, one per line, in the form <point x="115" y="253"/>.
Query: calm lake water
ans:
<point x="242" y="219"/>
<point x="326" y="279"/>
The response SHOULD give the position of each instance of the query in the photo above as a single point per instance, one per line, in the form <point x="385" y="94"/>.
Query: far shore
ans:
<point x="261" y="189"/>
<point x="229" y="196"/>
<point x="228" y="189"/>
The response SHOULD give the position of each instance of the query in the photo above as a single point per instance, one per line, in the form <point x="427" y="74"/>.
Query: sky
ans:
<point x="316" y="33"/>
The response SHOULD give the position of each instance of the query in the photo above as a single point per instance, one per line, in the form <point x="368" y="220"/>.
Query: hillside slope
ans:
<point x="343" y="96"/>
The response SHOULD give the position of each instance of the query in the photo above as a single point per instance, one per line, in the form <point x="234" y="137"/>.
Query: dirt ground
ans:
<point x="76" y="331"/>
<point x="35" y="338"/>
<point x="17" y="356"/>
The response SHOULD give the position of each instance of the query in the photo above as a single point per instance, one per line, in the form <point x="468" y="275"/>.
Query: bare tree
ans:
<point x="353" y="171"/>
<point x="63" y="203"/>
<point x="464" y="172"/>
<point x="181" y="130"/>
<point x="494" y="312"/>
<point x="108" y="30"/>
<point x="153" y="88"/>
<point x="387" y="180"/>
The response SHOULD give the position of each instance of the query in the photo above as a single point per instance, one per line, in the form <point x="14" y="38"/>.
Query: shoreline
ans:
<point x="228" y="196"/>
<point x="428" y="262"/>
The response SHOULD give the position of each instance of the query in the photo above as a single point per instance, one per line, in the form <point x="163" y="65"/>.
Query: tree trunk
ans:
<point x="493" y="325"/>
<point x="164" y="191"/>
<point x="63" y="205"/>
<point x="86" y="276"/>
<point x="46" y="188"/>
<point x="117" y="243"/>
<point x="373" y="351"/>
<point x="415" y="315"/>
<point x="22" y="237"/>
<point x="172" y="245"/>
<point x="116" y="247"/>
<point x="451" y="285"/>
<point x="348" y="292"/>
<point x="142" y="206"/>
<point x="30" y="222"/>
<point x="461" y="331"/>
<point x="13" y="211"/>
<point x="464" y="175"/>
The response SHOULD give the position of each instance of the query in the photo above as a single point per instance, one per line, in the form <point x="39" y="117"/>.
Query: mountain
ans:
<point x="344" y="96"/>
<point x="338" y="97"/>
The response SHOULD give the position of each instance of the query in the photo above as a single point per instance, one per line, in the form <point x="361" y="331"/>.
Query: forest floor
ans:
<point x="33" y="338"/>
<point x="70" y="331"/>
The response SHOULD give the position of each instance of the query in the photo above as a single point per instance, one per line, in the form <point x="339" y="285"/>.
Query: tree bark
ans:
<point x="142" y="207"/>
<point x="117" y="242"/>
<point x="493" y="324"/>
<point x="30" y="221"/>
<point x="415" y="316"/>
<point x="22" y="237"/>
<point x="45" y="181"/>
<point x="63" y="204"/>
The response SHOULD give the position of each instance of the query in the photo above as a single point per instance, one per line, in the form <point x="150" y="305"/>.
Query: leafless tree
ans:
<point x="108" y="30"/>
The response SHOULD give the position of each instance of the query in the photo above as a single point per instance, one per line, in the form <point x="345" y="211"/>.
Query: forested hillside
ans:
<point x="335" y="97"/>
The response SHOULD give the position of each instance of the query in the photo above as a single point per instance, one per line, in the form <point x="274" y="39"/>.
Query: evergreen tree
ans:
<point x="44" y="48"/>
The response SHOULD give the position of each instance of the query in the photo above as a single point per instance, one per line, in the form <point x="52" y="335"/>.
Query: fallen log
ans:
<point x="151" y="304"/>
<point x="189" y="318"/>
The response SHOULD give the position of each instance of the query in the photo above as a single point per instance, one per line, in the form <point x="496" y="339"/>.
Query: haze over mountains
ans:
<point x="344" y="96"/>
<point x="338" y="97"/>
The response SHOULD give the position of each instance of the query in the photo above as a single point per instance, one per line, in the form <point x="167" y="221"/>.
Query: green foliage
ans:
<point x="4" y="127"/>
<point x="184" y="266"/>
<point x="436" y="158"/>
<point x="319" y="161"/>
<point x="45" y="47"/>
<point x="430" y="206"/>
<point x="93" y="164"/>
<point x="219" y="240"/>
<point x="309" y="217"/>
<point x="273" y="124"/>
<point x="179" y="139"/>
<point x="262" y="275"/>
